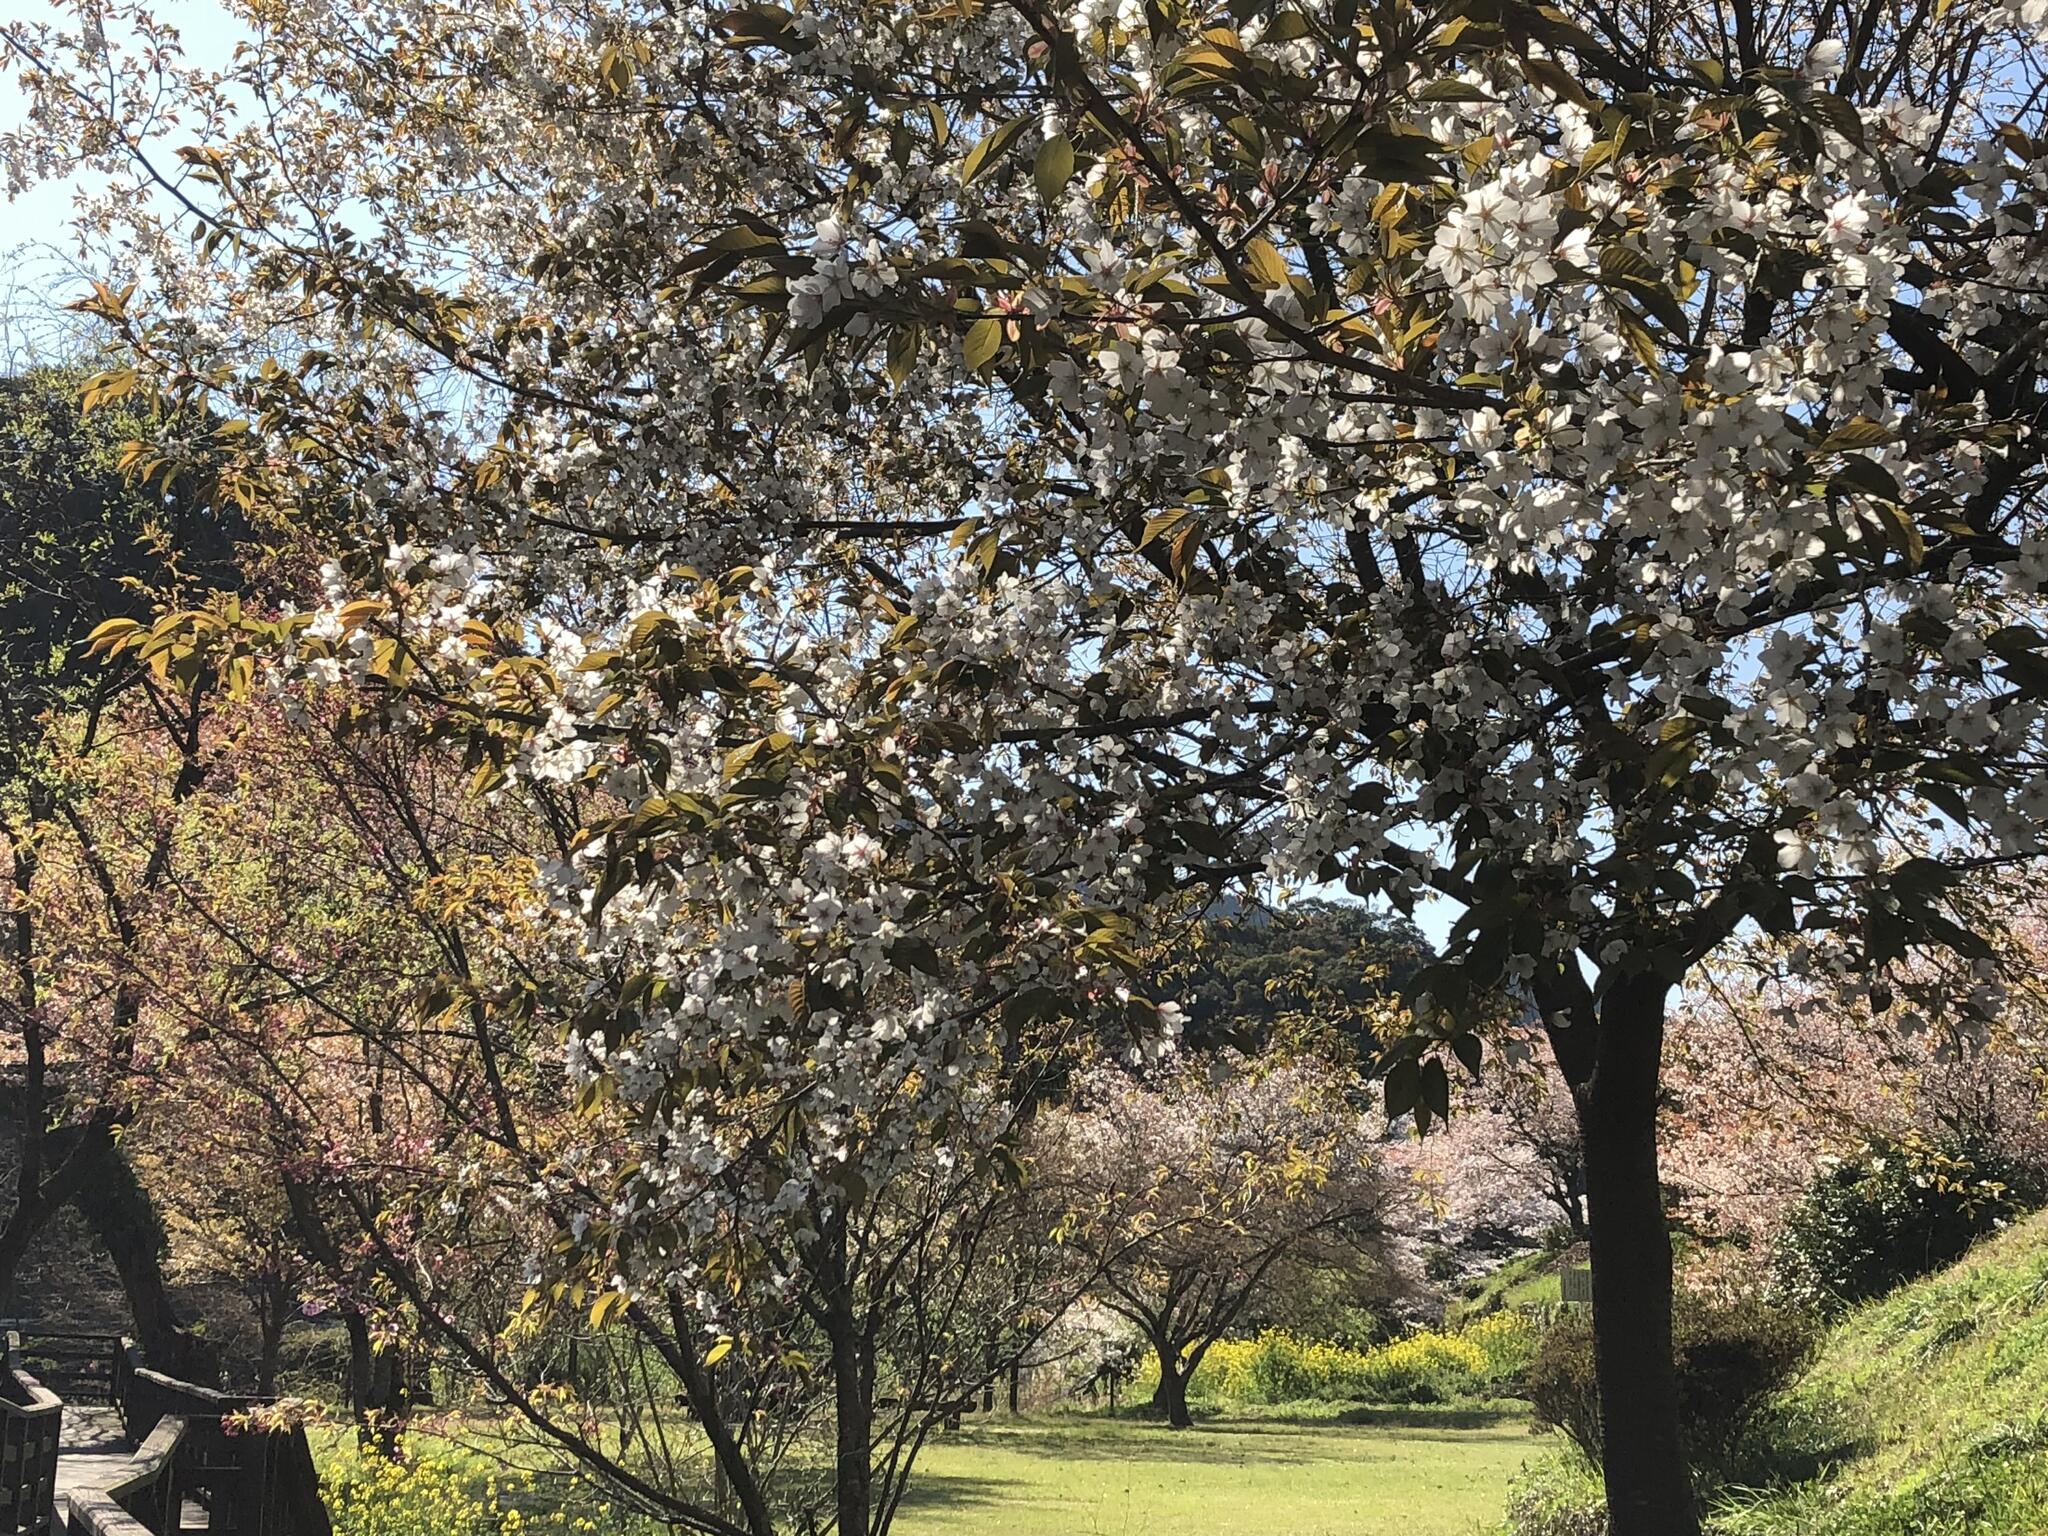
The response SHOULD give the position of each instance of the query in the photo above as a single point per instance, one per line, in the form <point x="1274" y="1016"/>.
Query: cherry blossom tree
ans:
<point x="960" y="475"/>
<point x="84" y="825"/>
<point x="1194" y="1193"/>
<point x="1511" y="1153"/>
<point x="1770" y="1074"/>
<point x="374" y="1021"/>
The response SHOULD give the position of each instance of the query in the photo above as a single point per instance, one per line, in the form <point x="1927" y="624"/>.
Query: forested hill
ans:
<point x="1255" y="974"/>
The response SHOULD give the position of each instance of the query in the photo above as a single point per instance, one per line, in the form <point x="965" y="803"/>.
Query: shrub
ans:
<point x="1508" y="1340"/>
<point x="1892" y="1212"/>
<point x="1485" y="1360"/>
<point x="1439" y="1264"/>
<point x="1557" y="1496"/>
<point x="1276" y="1367"/>
<point x="1423" y="1368"/>
<point x="1732" y="1360"/>
<point x="447" y="1493"/>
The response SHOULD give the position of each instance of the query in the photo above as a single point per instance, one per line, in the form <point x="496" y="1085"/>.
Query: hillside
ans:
<point x="1926" y="1414"/>
<point x="1932" y="1407"/>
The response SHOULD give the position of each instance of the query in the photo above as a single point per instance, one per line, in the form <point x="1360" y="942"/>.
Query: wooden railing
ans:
<point x="250" y="1480"/>
<point x="78" y="1367"/>
<point x="197" y="1451"/>
<point x="145" y="1499"/>
<point x="31" y="1429"/>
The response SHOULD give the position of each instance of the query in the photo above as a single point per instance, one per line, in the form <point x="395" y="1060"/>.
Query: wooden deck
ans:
<point x="93" y="1454"/>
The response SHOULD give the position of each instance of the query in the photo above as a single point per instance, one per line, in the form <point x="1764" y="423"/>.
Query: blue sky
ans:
<point x="38" y="217"/>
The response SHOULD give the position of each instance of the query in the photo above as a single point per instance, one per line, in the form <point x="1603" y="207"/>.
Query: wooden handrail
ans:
<point x="262" y="1481"/>
<point x="254" y="1481"/>
<point x="150" y="1482"/>
<point x="31" y="1429"/>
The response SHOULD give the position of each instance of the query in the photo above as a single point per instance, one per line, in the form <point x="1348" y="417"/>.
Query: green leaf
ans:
<point x="1054" y="167"/>
<point x="1839" y="114"/>
<point x="1627" y="269"/>
<point x="983" y="338"/>
<point x="740" y="759"/>
<point x="904" y="346"/>
<point x="1861" y="432"/>
<point x="1391" y="154"/>
<point x="984" y="155"/>
<point x="762" y="26"/>
<point x="615" y="68"/>
<point x="1267" y="265"/>
<point x="1901" y="532"/>
<point x="1556" y="79"/>
<point x="1162" y="523"/>
<point x="112" y="637"/>
<point x="1436" y="1088"/>
<point x="912" y="953"/>
<point x="1403" y="1088"/>
<point x="1856" y="473"/>
<point x="1451" y="90"/>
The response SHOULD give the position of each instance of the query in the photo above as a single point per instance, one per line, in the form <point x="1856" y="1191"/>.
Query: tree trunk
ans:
<point x="378" y="1394"/>
<point x="1649" y="1491"/>
<point x="853" y="1412"/>
<point x="853" y="1385"/>
<point x="268" y="1349"/>
<point x="273" y="1311"/>
<point x="125" y="1221"/>
<point x="1170" y="1397"/>
<point x="68" y="1158"/>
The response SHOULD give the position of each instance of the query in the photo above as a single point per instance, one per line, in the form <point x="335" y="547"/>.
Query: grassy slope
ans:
<point x="1531" y="1280"/>
<point x="1933" y="1406"/>
<point x="1372" y="1472"/>
<point x="1926" y="1415"/>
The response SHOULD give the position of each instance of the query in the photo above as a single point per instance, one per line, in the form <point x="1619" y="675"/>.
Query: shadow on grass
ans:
<point x="1280" y="1436"/>
<point x="939" y="1491"/>
<point x="1378" y="1416"/>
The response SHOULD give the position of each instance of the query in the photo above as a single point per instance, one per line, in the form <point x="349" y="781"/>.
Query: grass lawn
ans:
<point x="1366" y="1472"/>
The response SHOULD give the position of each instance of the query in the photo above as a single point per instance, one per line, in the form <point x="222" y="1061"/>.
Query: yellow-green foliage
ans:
<point x="437" y="1493"/>
<point x="1484" y="1360"/>
<point x="1508" y="1340"/>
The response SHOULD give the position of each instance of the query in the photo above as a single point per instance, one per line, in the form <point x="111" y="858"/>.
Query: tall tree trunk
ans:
<point x="1649" y="1490"/>
<point x="853" y="1384"/>
<point x="854" y="1412"/>
<point x="273" y="1311"/>
<point x="69" y="1158"/>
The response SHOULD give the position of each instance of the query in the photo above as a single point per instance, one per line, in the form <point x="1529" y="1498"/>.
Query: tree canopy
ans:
<point x="1254" y="977"/>
<point x="959" y="477"/>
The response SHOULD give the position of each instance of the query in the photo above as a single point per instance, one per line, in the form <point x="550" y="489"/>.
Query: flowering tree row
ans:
<point x="957" y="476"/>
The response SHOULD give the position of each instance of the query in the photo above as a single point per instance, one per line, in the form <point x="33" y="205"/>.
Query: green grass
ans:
<point x="1928" y="1410"/>
<point x="1358" y="1472"/>
<point x="1530" y="1281"/>
<point x="1302" y="1469"/>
